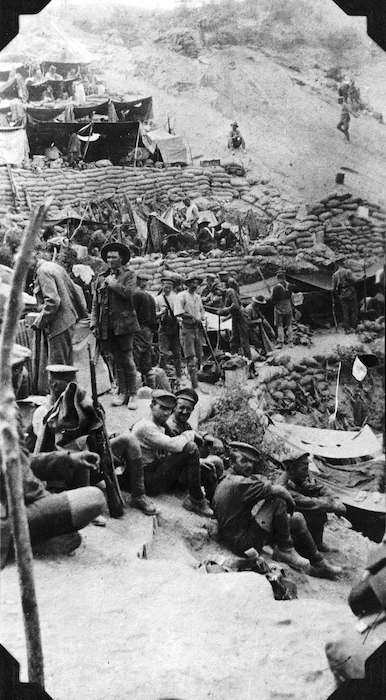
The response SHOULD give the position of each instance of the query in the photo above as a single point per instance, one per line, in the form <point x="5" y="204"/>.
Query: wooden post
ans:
<point x="10" y="454"/>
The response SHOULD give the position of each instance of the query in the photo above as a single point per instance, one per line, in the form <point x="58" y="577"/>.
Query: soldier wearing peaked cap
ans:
<point x="55" y="518"/>
<point x="114" y="320"/>
<point x="210" y="448"/>
<point x="252" y="511"/>
<point x="166" y="460"/>
<point x="168" y="329"/>
<point x="190" y="310"/>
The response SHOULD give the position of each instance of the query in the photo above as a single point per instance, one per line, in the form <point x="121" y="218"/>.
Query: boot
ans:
<point x="120" y="400"/>
<point x="144" y="504"/>
<point x="200" y="507"/>
<point x="292" y="558"/>
<point x="194" y="377"/>
<point x="132" y="403"/>
<point x="324" y="569"/>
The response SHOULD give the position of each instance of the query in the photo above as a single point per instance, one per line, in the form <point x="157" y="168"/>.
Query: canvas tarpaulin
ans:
<point x="45" y="114"/>
<point x="136" y="109"/>
<point x="13" y="146"/>
<point x="331" y="444"/>
<point x="171" y="147"/>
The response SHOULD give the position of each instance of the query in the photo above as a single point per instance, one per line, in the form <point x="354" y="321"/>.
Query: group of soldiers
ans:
<point x="64" y="489"/>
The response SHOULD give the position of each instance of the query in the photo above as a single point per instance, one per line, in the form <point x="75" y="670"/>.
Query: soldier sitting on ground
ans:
<point x="165" y="459"/>
<point x="210" y="448"/>
<point x="312" y="499"/>
<point x="53" y="519"/>
<point x="68" y="400"/>
<point x="251" y="512"/>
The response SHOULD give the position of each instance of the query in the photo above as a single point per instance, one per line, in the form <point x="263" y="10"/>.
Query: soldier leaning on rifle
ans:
<point x="189" y="309"/>
<point x="114" y="321"/>
<point x="125" y="448"/>
<point x="53" y="519"/>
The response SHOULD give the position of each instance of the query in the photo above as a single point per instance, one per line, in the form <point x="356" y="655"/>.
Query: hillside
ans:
<point x="274" y="85"/>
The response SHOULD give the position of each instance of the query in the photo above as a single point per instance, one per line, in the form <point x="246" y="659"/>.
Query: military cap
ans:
<point x="188" y="395"/>
<point x="19" y="354"/>
<point x="225" y="225"/>
<point x="165" y="398"/>
<point x="222" y="273"/>
<point x="246" y="450"/>
<point x="167" y="276"/>
<point x="234" y="124"/>
<point x="211" y="275"/>
<point x="193" y="276"/>
<point x="60" y="370"/>
<point x="121" y="248"/>
<point x="259" y="299"/>
<point x="295" y="455"/>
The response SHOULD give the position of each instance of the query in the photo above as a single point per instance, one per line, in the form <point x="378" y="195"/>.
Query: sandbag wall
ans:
<point x="169" y="184"/>
<point x="155" y="266"/>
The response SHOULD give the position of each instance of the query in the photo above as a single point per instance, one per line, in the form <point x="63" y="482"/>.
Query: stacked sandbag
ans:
<point x="347" y="230"/>
<point x="6" y="196"/>
<point x="221" y="185"/>
<point x="290" y="386"/>
<point x="168" y="184"/>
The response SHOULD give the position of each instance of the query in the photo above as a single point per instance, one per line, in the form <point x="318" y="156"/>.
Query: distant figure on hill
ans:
<point x="344" y="121"/>
<point x="235" y="140"/>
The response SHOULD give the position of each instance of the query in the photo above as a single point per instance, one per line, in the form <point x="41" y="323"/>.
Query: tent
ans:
<point x="6" y="68"/>
<point x="115" y="139"/>
<point x="171" y="148"/>
<point x="132" y="110"/>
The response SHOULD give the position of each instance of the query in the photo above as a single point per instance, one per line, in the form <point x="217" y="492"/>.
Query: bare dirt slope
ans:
<point x="119" y="627"/>
<point x="289" y="128"/>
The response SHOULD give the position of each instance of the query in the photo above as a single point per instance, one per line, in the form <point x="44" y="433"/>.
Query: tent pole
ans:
<point x="136" y="148"/>
<point x="10" y="452"/>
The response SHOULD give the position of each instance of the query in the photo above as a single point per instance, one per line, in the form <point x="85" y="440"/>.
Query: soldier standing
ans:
<point x="114" y="320"/>
<point x="168" y="333"/>
<point x="189" y="309"/>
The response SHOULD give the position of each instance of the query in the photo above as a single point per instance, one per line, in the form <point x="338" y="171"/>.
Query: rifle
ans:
<point x="113" y="492"/>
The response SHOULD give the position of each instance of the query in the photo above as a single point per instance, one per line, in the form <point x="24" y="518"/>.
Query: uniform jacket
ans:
<point x="233" y="501"/>
<point x="60" y="300"/>
<point x="114" y="308"/>
<point x="309" y="496"/>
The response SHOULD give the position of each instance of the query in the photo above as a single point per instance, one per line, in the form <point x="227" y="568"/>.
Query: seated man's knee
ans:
<point x="191" y="449"/>
<point x="297" y="522"/>
<point x="126" y="446"/>
<point x="85" y="505"/>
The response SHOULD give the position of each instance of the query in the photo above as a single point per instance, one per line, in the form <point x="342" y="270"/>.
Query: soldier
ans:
<point x="210" y="448"/>
<point x="235" y="140"/>
<point x="114" y="320"/>
<point x="166" y="458"/>
<point x="145" y="307"/>
<point x="168" y="332"/>
<point x="189" y="309"/>
<point x="344" y="282"/>
<point x="61" y="304"/>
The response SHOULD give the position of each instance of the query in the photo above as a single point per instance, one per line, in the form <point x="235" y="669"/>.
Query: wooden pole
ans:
<point x="10" y="454"/>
